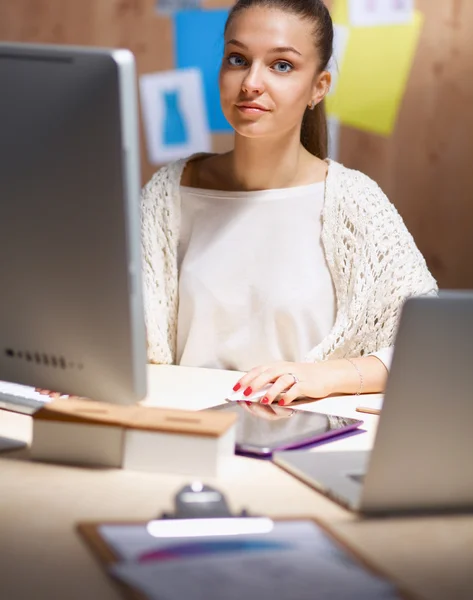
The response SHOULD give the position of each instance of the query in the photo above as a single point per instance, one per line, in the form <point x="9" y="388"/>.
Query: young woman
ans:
<point x="270" y="258"/>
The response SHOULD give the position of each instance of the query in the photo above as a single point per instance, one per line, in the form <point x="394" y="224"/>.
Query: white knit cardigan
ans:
<point x="372" y="258"/>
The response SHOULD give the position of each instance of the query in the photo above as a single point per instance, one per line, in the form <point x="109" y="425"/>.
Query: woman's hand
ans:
<point x="292" y="380"/>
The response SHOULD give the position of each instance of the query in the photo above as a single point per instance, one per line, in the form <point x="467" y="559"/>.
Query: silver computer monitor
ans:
<point x="71" y="314"/>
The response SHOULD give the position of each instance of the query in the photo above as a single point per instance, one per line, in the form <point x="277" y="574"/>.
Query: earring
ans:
<point x="312" y="105"/>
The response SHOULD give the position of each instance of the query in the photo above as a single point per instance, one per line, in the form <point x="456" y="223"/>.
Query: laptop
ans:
<point x="421" y="458"/>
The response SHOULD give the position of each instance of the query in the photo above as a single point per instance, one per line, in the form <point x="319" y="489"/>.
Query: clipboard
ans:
<point x="106" y="556"/>
<point x="89" y="531"/>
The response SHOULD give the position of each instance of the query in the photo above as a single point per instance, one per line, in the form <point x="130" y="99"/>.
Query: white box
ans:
<point x="178" y="454"/>
<point x="76" y="443"/>
<point x="133" y="437"/>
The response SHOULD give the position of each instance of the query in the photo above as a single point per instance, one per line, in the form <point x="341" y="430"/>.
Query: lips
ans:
<point x="252" y="106"/>
<point x="252" y="109"/>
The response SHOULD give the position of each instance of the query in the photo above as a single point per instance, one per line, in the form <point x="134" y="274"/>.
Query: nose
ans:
<point x="253" y="81"/>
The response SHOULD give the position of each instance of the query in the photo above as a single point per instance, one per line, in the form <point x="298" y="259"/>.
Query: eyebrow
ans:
<point x="277" y="50"/>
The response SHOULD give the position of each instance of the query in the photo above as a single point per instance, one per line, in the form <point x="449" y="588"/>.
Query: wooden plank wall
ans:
<point x="426" y="167"/>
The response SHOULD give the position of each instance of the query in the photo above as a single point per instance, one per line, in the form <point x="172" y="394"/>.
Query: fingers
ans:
<point x="247" y="382"/>
<point x="292" y="394"/>
<point x="283" y="383"/>
<point x="255" y="379"/>
<point x="279" y="374"/>
<point x="271" y="375"/>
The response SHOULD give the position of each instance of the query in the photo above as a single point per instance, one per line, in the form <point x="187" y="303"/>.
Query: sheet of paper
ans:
<point x="174" y="115"/>
<point x="372" y="13"/>
<point x="283" y="575"/>
<point x="373" y="79"/>
<point x="341" y="34"/>
<point x="198" y="43"/>
<point x="132" y="541"/>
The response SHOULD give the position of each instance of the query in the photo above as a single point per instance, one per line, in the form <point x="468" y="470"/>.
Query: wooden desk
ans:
<point x="42" y="557"/>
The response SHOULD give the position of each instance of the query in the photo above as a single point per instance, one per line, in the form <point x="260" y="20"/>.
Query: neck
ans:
<point x="262" y="164"/>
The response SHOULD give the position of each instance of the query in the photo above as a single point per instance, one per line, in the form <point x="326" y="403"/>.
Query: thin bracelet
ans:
<point x="360" y="389"/>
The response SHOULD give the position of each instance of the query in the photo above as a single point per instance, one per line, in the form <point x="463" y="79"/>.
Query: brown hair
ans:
<point x="314" y="122"/>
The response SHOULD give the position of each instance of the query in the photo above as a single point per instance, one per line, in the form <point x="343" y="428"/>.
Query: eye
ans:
<point x="235" y="60"/>
<point x="282" y="66"/>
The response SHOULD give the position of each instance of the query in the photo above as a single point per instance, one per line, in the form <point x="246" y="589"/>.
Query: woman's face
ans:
<point x="269" y="73"/>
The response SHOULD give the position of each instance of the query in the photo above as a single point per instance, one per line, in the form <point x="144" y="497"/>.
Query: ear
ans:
<point x="321" y="87"/>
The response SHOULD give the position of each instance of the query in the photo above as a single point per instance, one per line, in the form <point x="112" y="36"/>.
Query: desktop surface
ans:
<point x="42" y="503"/>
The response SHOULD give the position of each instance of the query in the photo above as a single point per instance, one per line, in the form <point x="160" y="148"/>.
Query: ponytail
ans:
<point x="314" y="135"/>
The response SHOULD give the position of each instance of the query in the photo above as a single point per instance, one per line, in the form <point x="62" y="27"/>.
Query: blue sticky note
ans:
<point x="198" y="43"/>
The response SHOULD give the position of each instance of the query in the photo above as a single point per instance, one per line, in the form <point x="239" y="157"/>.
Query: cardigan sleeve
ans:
<point x="159" y="239"/>
<point x="375" y="265"/>
<point x="389" y="268"/>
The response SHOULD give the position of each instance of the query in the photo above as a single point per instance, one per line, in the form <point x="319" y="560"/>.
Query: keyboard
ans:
<point x="21" y="398"/>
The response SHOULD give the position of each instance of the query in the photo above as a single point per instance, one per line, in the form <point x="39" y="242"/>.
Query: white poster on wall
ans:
<point x="341" y="33"/>
<point x="174" y="115"/>
<point x="372" y="13"/>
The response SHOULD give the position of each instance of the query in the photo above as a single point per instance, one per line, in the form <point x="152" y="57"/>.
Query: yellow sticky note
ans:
<point x="374" y="75"/>
<point x="339" y="12"/>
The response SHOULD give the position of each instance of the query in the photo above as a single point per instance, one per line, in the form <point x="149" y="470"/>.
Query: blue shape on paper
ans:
<point x="198" y="43"/>
<point x="175" y="130"/>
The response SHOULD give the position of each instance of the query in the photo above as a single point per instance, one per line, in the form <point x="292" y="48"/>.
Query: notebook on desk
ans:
<point x="421" y="456"/>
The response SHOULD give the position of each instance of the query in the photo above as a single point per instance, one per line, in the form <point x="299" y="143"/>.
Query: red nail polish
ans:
<point x="236" y="387"/>
<point x="265" y="400"/>
<point x="248" y="391"/>
<point x="281" y="402"/>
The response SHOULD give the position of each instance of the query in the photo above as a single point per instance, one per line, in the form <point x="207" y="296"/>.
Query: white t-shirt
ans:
<point x="254" y="285"/>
